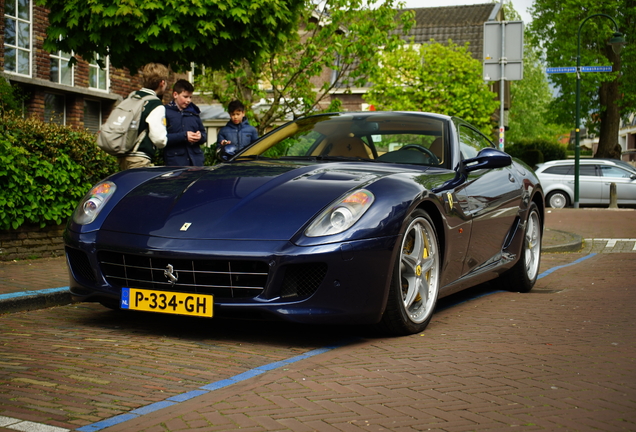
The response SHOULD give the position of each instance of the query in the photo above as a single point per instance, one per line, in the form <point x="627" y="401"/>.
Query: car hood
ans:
<point x="251" y="201"/>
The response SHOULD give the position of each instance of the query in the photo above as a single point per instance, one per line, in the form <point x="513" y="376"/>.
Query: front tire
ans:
<point x="523" y="275"/>
<point x="558" y="199"/>
<point x="416" y="277"/>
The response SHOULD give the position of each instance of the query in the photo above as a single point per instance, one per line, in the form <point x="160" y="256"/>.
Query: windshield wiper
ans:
<point x="344" y="158"/>
<point x="255" y="157"/>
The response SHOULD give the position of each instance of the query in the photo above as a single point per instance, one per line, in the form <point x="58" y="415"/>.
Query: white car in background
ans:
<point x="595" y="178"/>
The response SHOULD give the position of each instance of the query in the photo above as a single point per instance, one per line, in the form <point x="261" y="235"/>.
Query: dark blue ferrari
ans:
<point x="344" y="218"/>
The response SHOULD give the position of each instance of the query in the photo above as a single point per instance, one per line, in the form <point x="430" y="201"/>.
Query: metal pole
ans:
<point x="577" y="132"/>
<point x="502" y="87"/>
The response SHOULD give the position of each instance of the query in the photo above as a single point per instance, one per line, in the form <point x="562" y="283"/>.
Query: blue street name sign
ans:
<point x="596" y="68"/>
<point x="561" y="70"/>
<point x="572" y="69"/>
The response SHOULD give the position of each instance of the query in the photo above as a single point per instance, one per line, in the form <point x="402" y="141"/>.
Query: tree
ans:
<point x="334" y="47"/>
<point x="174" y="32"/>
<point x="530" y="98"/>
<point x="605" y="97"/>
<point x="433" y="77"/>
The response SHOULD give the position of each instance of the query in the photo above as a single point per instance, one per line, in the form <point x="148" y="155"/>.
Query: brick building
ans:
<point x="81" y="95"/>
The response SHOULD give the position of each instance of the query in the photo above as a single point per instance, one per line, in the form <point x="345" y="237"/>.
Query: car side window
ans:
<point x="610" y="171"/>
<point x="471" y="142"/>
<point x="560" y="170"/>
<point x="587" y="171"/>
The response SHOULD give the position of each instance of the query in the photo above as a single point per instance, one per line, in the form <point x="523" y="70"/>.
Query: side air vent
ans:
<point x="302" y="280"/>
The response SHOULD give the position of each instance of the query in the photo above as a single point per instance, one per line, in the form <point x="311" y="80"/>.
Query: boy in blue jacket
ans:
<point x="237" y="131"/>
<point x="185" y="128"/>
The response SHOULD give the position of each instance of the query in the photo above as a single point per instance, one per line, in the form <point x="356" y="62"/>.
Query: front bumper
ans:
<point x="338" y="283"/>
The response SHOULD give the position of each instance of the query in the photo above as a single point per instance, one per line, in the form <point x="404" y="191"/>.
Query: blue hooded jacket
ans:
<point x="241" y="135"/>
<point x="179" y="151"/>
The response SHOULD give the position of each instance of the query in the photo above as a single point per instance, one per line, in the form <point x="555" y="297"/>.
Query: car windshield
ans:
<point x="390" y="137"/>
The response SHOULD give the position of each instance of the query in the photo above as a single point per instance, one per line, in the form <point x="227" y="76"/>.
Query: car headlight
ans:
<point x="341" y="215"/>
<point x="94" y="201"/>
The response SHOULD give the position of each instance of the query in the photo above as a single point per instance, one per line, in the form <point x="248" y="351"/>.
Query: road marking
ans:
<point x="173" y="400"/>
<point x="611" y="242"/>
<point x="32" y="293"/>
<point x="553" y="269"/>
<point x="27" y="426"/>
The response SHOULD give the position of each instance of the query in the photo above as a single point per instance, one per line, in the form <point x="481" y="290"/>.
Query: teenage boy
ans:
<point x="237" y="131"/>
<point x="185" y="128"/>
<point x="153" y="118"/>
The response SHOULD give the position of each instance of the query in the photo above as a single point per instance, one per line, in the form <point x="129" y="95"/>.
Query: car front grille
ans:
<point x="222" y="278"/>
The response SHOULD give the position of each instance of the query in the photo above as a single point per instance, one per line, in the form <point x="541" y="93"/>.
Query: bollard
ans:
<point x="613" y="199"/>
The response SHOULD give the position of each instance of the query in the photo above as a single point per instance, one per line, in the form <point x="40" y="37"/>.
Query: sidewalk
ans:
<point x="34" y="284"/>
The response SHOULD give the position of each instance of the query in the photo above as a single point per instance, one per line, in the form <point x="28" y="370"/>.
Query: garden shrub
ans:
<point x="535" y="151"/>
<point x="45" y="169"/>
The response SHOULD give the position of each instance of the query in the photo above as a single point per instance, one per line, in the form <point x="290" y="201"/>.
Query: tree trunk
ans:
<point x="609" y="94"/>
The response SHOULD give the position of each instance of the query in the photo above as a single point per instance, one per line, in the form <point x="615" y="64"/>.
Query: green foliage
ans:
<point x="175" y="32"/>
<point x="534" y="151"/>
<point x="556" y="25"/>
<point x="10" y="97"/>
<point x="436" y="78"/>
<point x="333" y="46"/>
<point x="45" y="169"/>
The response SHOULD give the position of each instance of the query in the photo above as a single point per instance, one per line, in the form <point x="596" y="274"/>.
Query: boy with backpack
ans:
<point x="137" y="126"/>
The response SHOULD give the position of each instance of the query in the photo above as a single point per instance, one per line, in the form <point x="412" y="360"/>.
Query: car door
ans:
<point x="625" y="184"/>
<point x="590" y="185"/>
<point x="494" y="196"/>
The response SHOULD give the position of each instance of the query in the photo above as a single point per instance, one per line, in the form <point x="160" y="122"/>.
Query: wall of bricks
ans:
<point x="31" y="242"/>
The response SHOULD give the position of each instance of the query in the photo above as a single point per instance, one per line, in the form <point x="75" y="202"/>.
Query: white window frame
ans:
<point x="93" y="67"/>
<point x="59" y="57"/>
<point x="16" y="47"/>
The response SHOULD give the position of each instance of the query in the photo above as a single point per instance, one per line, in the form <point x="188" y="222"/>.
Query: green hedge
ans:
<point x="536" y="151"/>
<point x="45" y="169"/>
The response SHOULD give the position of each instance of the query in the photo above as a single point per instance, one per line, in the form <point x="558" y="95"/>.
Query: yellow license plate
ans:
<point x="167" y="302"/>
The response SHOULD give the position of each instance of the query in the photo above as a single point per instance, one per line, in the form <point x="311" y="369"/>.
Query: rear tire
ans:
<point x="523" y="275"/>
<point x="557" y="199"/>
<point x="416" y="277"/>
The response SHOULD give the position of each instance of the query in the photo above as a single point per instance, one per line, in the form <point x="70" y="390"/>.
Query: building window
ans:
<point x="61" y="69"/>
<point x="97" y="76"/>
<point x="17" y="36"/>
<point x="92" y="115"/>
<point x="54" y="108"/>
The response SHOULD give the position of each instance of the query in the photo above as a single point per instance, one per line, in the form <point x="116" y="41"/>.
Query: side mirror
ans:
<point x="488" y="158"/>
<point x="226" y="152"/>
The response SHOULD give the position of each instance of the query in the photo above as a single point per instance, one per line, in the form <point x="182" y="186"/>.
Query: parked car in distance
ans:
<point x="345" y="218"/>
<point x="595" y="178"/>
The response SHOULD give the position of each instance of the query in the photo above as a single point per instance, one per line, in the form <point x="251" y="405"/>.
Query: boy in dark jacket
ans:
<point x="185" y="128"/>
<point x="237" y="131"/>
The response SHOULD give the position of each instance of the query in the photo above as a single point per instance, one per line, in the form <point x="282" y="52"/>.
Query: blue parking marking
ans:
<point x="553" y="269"/>
<point x="173" y="400"/>
<point x="32" y="293"/>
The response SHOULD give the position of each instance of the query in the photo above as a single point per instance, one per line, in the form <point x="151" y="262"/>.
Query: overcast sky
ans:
<point x="520" y="6"/>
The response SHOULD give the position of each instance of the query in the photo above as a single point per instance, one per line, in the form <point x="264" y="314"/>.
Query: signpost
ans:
<point x="503" y="59"/>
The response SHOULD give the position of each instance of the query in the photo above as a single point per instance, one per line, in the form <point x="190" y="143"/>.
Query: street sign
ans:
<point x="572" y="69"/>
<point x="511" y="34"/>
<point x="596" y="68"/>
<point x="561" y="70"/>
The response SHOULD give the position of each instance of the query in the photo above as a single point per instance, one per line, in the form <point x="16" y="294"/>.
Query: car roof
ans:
<point x="587" y="161"/>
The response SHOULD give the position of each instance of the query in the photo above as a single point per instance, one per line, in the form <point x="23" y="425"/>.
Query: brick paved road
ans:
<point x="545" y="361"/>
<point x="559" y="357"/>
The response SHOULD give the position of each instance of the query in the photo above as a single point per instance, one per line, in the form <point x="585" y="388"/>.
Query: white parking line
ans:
<point x="612" y="242"/>
<point x="27" y="426"/>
